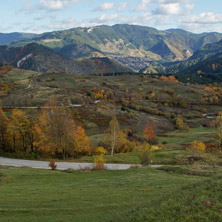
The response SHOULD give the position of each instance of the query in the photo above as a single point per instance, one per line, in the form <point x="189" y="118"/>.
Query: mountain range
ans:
<point x="127" y="47"/>
<point x="6" y="38"/>
<point x="43" y="59"/>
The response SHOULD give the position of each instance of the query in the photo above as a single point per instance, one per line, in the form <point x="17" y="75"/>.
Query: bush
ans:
<point x="198" y="146"/>
<point x="52" y="165"/>
<point x="181" y="125"/>
<point x="145" y="155"/>
<point x="153" y="148"/>
<point x="98" y="163"/>
<point x="100" y="151"/>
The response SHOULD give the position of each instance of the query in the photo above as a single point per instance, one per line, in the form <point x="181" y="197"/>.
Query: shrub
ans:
<point x="100" y="151"/>
<point x="52" y="164"/>
<point x="153" y="148"/>
<point x="145" y="155"/>
<point x="161" y="145"/>
<point x="98" y="162"/>
<point x="181" y="125"/>
<point x="198" y="146"/>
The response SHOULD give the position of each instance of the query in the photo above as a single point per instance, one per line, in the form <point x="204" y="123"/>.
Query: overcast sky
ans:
<point x="47" y="15"/>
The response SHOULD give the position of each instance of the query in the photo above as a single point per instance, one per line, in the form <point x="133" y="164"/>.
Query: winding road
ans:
<point x="60" y="165"/>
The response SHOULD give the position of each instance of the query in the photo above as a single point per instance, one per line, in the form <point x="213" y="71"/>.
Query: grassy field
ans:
<point x="176" y="192"/>
<point x="146" y="194"/>
<point x="175" y="151"/>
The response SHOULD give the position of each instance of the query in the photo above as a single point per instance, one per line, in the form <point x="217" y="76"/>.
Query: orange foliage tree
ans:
<point x="149" y="133"/>
<point x="58" y="134"/>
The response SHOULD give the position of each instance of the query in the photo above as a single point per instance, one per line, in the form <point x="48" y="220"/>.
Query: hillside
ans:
<point x="42" y="59"/>
<point x="125" y="41"/>
<point x="6" y="38"/>
<point x="206" y="60"/>
<point x="136" y="100"/>
<point x="38" y="58"/>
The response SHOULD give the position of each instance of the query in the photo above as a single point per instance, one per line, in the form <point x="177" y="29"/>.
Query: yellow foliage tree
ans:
<point x="4" y="122"/>
<point x="18" y="127"/>
<point x="81" y="141"/>
<point x="99" y="162"/>
<point x="180" y="125"/>
<point x="115" y="137"/>
<point x="198" y="146"/>
<point x="219" y="128"/>
<point x="100" y="151"/>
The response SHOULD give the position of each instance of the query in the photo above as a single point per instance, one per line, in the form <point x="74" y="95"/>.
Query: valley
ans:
<point x="118" y="48"/>
<point x="92" y="99"/>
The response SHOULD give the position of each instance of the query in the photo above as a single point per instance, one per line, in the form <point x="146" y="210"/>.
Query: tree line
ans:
<point x="53" y="132"/>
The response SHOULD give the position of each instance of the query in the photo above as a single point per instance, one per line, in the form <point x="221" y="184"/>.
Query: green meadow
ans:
<point x="142" y="194"/>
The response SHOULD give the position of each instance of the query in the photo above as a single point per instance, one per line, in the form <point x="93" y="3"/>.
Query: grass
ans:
<point x="200" y="134"/>
<point x="144" y="194"/>
<point x="175" y="152"/>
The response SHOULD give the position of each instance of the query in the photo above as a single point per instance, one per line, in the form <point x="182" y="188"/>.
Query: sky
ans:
<point x="38" y="16"/>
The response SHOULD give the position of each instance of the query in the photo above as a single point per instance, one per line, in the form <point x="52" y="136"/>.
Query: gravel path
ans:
<point x="60" y="165"/>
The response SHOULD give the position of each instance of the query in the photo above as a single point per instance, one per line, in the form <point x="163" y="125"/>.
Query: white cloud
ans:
<point x="200" y="28"/>
<point x="53" y="25"/>
<point x="143" y="19"/>
<point x="170" y="1"/>
<point x="44" y="16"/>
<point x="161" y="20"/>
<point x="55" y="4"/>
<point x="143" y="5"/>
<point x="121" y="6"/>
<point x="105" y="6"/>
<point x="189" y="7"/>
<point x="203" y="18"/>
<point x="168" y="9"/>
<point x="108" y="19"/>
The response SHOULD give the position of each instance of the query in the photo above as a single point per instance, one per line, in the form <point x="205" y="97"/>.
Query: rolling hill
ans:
<point x="42" y="59"/>
<point x="208" y="59"/>
<point x="117" y="48"/>
<point x="124" y="41"/>
<point x="6" y="38"/>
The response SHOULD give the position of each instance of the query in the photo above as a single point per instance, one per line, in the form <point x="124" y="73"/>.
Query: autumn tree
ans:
<point x="59" y="134"/>
<point x="115" y="137"/>
<point x="198" y="146"/>
<point x="149" y="133"/>
<point x="180" y="124"/>
<point x="218" y="123"/>
<point x="3" y="129"/>
<point x="18" y="128"/>
<point x="145" y="154"/>
<point x="31" y="131"/>
<point x="81" y="141"/>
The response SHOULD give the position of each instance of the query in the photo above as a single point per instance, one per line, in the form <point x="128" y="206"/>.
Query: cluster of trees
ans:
<point x="180" y="124"/>
<point x="213" y="95"/>
<point x="169" y="78"/>
<point x="200" y="146"/>
<point x="53" y="132"/>
<point x="120" y="141"/>
<point x="101" y="94"/>
<point x="204" y="78"/>
<point x="218" y="124"/>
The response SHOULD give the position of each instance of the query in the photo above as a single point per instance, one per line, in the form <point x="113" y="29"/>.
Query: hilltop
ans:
<point x="118" y="49"/>
<point x="125" y="40"/>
